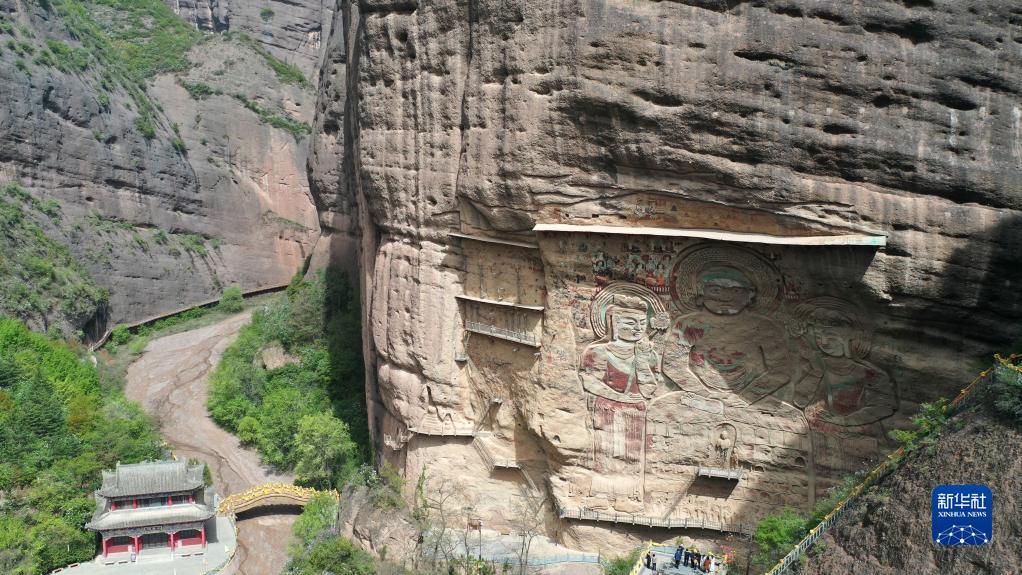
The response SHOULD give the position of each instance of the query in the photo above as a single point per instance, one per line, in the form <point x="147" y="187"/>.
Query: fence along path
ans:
<point x="881" y="470"/>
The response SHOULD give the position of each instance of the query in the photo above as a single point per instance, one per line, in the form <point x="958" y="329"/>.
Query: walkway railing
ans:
<point x="508" y="334"/>
<point x="584" y="514"/>
<point x="892" y="461"/>
<point x="208" y="303"/>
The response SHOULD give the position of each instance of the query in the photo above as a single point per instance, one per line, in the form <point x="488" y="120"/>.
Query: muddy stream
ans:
<point x="170" y="379"/>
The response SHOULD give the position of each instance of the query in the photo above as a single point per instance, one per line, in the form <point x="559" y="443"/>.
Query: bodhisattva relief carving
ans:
<point x="717" y="369"/>
<point x="620" y="373"/>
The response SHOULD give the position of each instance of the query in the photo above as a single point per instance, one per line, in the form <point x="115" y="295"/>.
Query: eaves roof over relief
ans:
<point x="807" y="240"/>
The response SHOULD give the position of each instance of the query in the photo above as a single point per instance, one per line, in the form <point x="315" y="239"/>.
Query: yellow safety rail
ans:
<point x="893" y="459"/>
<point x="298" y="494"/>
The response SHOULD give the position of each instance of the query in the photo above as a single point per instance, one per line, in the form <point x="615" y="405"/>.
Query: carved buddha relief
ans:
<point x="724" y="342"/>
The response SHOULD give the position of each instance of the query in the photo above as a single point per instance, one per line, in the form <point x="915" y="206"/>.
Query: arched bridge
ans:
<point x="269" y="494"/>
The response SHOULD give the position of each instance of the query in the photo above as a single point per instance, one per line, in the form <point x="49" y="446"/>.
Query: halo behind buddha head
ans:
<point x="725" y="263"/>
<point x="630" y="297"/>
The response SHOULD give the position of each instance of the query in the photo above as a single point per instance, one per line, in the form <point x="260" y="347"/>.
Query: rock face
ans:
<point x="871" y="537"/>
<point x="217" y="196"/>
<point x="613" y="250"/>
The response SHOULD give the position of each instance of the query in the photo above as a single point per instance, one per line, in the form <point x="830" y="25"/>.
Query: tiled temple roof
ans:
<point x="151" y="477"/>
<point x="129" y="518"/>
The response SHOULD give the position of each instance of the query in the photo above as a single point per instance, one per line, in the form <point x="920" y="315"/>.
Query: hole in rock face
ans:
<point x="839" y="129"/>
<point x="882" y="101"/>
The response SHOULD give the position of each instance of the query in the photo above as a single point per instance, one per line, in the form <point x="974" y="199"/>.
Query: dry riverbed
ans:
<point x="169" y="380"/>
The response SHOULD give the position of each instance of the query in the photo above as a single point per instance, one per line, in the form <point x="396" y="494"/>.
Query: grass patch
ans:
<point x="199" y="90"/>
<point x="292" y="126"/>
<point x="132" y="41"/>
<point x="285" y="71"/>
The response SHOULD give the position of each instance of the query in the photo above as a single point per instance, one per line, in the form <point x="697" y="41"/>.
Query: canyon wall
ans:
<point x="669" y="264"/>
<point x="217" y="194"/>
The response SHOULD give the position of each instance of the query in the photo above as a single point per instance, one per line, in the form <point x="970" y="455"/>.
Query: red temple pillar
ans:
<point x="202" y="533"/>
<point x="172" y="535"/>
<point x="191" y="499"/>
<point x="138" y="544"/>
<point x="134" y="503"/>
<point x="105" y="541"/>
<point x="113" y="506"/>
<point x="170" y="500"/>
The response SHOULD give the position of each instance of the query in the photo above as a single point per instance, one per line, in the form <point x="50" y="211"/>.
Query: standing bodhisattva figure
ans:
<point x="619" y="374"/>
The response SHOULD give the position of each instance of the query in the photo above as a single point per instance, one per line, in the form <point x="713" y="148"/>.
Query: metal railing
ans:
<point x="491" y="461"/>
<point x="892" y="461"/>
<point x="729" y="474"/>
<point x="583" y="514"/>
<point x="503" y="333"/>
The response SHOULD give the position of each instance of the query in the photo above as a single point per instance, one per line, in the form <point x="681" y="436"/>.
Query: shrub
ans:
<point x="198" y="90"/>
<point x="266" y="14"/>
<point x="622" y="565"/>
<point x="232" y="300"/>
<point x="120" y="335"/>
<point x="249" y="430"/>
<point x="1005" y="388"/>
<point x="776" y="534"/>
<point x="178" y="144"/>
<point x="146" y="127"/>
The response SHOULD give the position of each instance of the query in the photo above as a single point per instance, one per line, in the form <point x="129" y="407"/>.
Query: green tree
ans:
<point x="249" y="430"/>
<point x="318" y="514"/>
<point x="232" y="300"/>
<point x="335" y="555"/>
<point x="57" y="544"/>
<point x="325" y="451"/>
<point x="777" y="533"/>
<point x="622" y="565"/>
<point x="38" y="411"/>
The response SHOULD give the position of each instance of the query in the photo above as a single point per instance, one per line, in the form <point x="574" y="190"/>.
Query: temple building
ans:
<point x="152" y="504"/>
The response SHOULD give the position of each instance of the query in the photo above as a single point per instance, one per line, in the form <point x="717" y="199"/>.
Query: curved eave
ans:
<point x="744" y="237"/>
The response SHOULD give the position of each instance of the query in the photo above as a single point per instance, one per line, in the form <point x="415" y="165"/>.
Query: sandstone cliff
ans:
<point x="171" y="184"/>
<point x="537" y="190"/>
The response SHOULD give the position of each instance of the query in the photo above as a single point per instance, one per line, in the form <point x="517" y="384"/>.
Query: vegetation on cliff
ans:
<point x="40" y="282"/>
<point x="61" y="422"/>
<point x="306" y="411"/>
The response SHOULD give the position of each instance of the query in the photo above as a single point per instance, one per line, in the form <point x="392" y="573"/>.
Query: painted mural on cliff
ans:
<point x="740" y="359"/>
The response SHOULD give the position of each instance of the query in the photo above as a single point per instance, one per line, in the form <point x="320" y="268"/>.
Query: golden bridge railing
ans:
<point x="244" y="499"/>
<point x="879" y="471"/>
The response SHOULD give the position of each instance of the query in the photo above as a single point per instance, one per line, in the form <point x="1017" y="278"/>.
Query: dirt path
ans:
<point x="170" y="381"/>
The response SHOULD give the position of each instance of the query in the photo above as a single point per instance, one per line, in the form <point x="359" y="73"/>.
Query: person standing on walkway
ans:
<point x="678" y="554"/>
<point x="649" y="560"/>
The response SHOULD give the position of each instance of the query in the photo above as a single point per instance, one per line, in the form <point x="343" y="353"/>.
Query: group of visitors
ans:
<point x="704" y="562"/>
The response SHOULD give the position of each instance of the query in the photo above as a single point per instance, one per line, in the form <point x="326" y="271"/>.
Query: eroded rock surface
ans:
<point x="218" y="195"/>
<point x="490" y="363"/>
